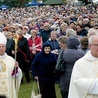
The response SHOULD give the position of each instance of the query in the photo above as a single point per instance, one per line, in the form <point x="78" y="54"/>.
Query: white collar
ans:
<point x="3" y="56"/>
<point x="90" y="57"/>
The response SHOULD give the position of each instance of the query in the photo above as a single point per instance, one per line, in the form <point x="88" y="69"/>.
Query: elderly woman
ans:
<point x="42" y="69"/>
<point x="35" y="44"/>
<point x="70" y="55"/>
<point x="62" y="30"/>
<point x="70" y="32"/>
<point x="62" y="42"/>
<point x="23" y="54"/>
<point x="92" y="31"/>
<point x="62" y="45"/>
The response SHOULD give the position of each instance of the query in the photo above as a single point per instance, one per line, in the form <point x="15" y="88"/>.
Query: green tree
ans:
<point x="84" y="1"/>
<point x="46" y="0"/>
<point x="14" y="3"/>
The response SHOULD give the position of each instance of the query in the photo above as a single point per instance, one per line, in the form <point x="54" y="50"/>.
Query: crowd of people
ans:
<point x="36" y="36"/>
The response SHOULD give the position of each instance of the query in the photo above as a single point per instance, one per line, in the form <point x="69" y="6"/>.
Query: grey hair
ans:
<point x="63" y="25"/>
<point x="62" y="39"/>
<point x="72" y="42"/>
<point x="70" y="32"/>
<point x="90" y="40"/>
<point x="85" y="19"/>
<point x="54" y="32"/>
<point x="47" y="24"/>
<point x="92" y="30"/>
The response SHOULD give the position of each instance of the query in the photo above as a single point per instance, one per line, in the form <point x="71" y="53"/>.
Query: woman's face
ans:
<point x="25" y="31"/>
<point x="47" y="50"/>
<point x="33" y="34"/>
<point x="62" y="45"/>
<point x="63" y="28"/>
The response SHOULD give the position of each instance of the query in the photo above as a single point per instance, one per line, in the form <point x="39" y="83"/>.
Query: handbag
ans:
<point x="33" y="94"/>
<point x="60" y="69"/>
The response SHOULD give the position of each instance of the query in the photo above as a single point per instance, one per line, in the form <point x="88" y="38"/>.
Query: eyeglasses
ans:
<point x="94" y="44"/>
<point x="45" y="26"/>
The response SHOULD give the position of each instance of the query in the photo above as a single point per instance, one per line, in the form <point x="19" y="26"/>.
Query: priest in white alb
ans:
<point x="84" y="79"/>
<point x="10" y="73"/>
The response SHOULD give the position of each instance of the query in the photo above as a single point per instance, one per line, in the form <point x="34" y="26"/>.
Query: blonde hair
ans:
<point x="19" y="31"/>
<point x="62" y="39"/>
<point x="33" y="32"/>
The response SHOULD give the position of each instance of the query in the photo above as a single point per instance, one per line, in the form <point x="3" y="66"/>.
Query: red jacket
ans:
<point x="35" y="44"/>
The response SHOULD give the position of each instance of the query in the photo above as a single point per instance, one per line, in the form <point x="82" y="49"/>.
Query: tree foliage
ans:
<point x="17" y="3"/>
<point x="84" y="1"/>
<point x="46" y="0"/>
<point x="14" y="3"/>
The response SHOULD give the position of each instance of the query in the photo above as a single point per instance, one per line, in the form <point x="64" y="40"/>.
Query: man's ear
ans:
<point x="89" y="46"/>
<point x="5" y="48"/>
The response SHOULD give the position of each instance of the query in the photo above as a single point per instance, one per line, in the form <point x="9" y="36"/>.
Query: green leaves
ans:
<point x="84" y="1"/>
<point x="14" y="3"/>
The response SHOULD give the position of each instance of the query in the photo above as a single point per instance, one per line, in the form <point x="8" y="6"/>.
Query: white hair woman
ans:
<point x="92" y="31"/>
<point x="62" y="30"/>
<point x="70" y="32"/>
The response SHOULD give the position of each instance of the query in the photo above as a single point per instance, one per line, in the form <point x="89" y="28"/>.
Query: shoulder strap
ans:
<point x="22" y="52"/>
<point x="60" y="54"/>
<point x="59" y="59"/>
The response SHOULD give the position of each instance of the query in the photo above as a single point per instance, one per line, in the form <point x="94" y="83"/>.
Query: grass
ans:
<point x="26" y="89"/>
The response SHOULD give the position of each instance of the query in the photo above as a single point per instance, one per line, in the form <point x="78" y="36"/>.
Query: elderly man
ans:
<point x="84" y="79"/>
<point x="10" y="78"/>
<point x="46" y="32"/>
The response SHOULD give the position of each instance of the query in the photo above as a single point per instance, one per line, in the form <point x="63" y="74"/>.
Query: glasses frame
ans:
<point x="94" y="44"/>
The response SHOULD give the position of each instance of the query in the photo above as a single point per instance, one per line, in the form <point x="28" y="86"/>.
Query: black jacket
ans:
<point x="45" y="35"/>
<point x="10" y="46"/>
<point x="43" y="66"/>
<point x="83" y="32"/>
<point x="23" y="46"/>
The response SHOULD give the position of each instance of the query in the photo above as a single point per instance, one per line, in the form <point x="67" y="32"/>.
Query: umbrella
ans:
<point x="4" y="7"/>
<point x="34" y="3"/>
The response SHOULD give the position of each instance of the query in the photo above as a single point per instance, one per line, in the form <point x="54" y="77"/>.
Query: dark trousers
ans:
<point x="47" y="90"/>
<point x="64" y="94"/>
<point x="25" y="69"/>
<point x="31" y="60"/>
